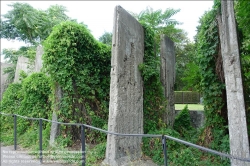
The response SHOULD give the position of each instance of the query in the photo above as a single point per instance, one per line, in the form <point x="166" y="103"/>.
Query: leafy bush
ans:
<point x="12" y="98"/>
<point x="154" y="102"/>
<point x="212" y="76"/>
<point x="80" y="65"/>
<point x="183" y="121"/>
<point x="29" y="98"/>
<point x="152" y="147"/>
<point x="36" y="90"/>
<point x="96" y="154"/>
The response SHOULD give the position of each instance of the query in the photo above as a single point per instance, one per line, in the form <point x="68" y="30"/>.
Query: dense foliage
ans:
<point x="183" y="121"/>
<point x="212" y="78"/>
<point x="11" y="99"/>
<point x="106" y="38"/>
<point x="11" y="57"/>
<point x="154" y="102"/>
<point x="161" y="22"/>
<point x="243" y="19"/>
<point x="188" y="76"/>
<point x="29" y="98"/>
<point x="28" y="24"/>
<point x="81" y="67"/>
<point x="36" y="90"/>
<point x="25" y="23"/>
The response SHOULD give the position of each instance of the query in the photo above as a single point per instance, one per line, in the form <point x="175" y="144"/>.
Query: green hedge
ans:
<point x="187" y="97"/>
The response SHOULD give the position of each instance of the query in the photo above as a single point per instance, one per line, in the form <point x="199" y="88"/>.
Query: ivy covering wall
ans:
<point x="212" y="79"/>
<point x="80" y="65"/>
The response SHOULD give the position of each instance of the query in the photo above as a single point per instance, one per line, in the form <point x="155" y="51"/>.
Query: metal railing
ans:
<point x="83" y="159"/>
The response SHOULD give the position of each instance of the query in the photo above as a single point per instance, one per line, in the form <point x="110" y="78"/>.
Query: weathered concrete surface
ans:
<point x="54" y="129"/>
<point x="3" y="78"/>
<point x="22" y="64"/>
<point x="126" y="90"/>
<point x="237" y="123"/>
<point x="168" y="77"/>
<point x="197" y="118"/>
<point x="38" y="60"/>
<point x="54" y="132"/>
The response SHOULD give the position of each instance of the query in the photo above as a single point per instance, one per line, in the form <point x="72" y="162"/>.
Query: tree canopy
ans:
<point x="25" y="23"/>
<point x="106" y="38"/>
<point x="162" y="23"/>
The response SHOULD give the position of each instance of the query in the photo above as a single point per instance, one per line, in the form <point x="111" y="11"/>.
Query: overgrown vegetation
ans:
<point x="243" y="20"/>
<point x="180" y="154"/>
<point x="154" y="102"/>
<point x="11" y="57"/>
<point x="212" y="79"/>
<point x="29" y="98"/>
<point x="30" y="25"/>
<point x="80" y="66"/>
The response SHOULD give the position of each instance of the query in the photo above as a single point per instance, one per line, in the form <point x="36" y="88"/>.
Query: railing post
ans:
<point x="15" y="132"/>
<point x="41" y="140"/>
<point x="164" y="147"/>
<point x="83" y="144"/>
<point x="182" y="97"/>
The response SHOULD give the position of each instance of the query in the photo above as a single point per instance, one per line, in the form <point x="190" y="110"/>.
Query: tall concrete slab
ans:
<point x="22" y="64"/>
<point x="54" y="131"/>
<point x="38" y="60"/>
<point x="4" y="78"/>
<point x="236" y="110"/>
<point x="168" y="77"/>
<point x="126" y="90"/>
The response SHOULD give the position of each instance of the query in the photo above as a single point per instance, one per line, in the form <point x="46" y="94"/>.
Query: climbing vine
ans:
<point x="29" y="98"/>
<point x="11" y="98"/>
<point x="154" y="102"/>
<point x="212" y="78"/>
<point x="243" y="19"/>
<point x="36" y="90"/>
<point x="81" y="67"/>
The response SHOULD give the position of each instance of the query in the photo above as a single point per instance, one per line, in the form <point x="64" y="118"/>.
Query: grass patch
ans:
<point x="196" y="107"/>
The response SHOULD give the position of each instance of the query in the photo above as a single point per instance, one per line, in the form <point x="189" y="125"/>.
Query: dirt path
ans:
<point x="10" y="157"/>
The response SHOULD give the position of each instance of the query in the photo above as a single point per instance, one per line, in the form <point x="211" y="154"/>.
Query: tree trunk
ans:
<point x="239" y="145"/>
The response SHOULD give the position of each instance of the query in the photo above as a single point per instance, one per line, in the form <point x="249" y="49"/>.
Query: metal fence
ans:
<point x="83" y="126"/>
<point x="187" y="97"/>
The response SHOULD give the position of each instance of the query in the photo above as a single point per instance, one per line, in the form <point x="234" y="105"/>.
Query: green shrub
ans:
<point x="36" y="90"/>
<point x="12" y="98"/>
<point x="154" y="102"/>
<point x="152" y="147"/>
<point x="96" y="154"/>
<point x="183" y="121"/>
<point x="80" y="65"/>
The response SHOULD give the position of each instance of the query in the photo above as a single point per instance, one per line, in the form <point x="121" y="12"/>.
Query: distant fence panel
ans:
<point x="187" y="97"/>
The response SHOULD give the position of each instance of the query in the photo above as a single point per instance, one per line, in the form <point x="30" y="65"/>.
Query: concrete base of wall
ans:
<point x="197" y="118"/>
